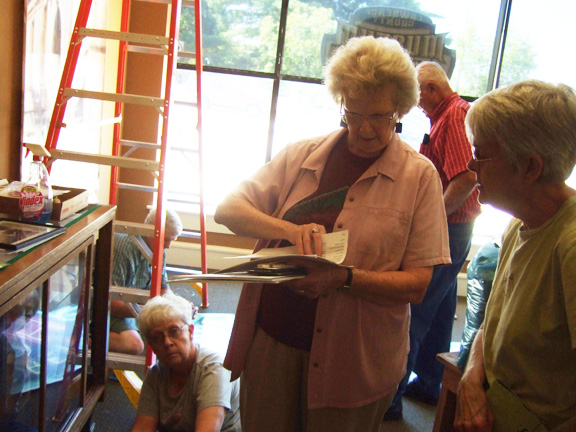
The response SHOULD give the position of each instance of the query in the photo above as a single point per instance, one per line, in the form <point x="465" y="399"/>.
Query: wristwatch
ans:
<point x="348" y="282"/>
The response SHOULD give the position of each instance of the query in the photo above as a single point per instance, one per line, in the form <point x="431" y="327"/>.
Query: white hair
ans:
<point x="365" y="65"/>
<point x="529" y="118"/>
<point x="161" y="309"/>
<point x="173" y="225"/>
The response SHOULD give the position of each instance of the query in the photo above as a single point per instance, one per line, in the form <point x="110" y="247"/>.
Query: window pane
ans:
<point x="237" y="34"/>
<point x="309" y="22"/>
<point x="235" y="115"/>
<point x="490" y="224"/>
<point x="469" y="27"/>
<point x="49" y="26"/>
<point x="540" y="54"/>
<point x="304" y="111"/>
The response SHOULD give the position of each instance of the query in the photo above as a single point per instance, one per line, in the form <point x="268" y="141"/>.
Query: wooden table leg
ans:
<point x="446" y="410"/>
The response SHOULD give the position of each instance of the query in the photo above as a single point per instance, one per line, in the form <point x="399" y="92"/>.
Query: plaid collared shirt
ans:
<point x="449" y="150"/>
<point x="130" y="267"/>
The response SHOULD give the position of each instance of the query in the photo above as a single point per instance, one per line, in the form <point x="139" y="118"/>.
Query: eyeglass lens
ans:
<point x="375" y="120"/>
<point x="173" y="333"/>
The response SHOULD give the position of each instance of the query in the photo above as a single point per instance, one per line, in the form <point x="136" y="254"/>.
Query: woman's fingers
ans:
<point x="308" y="239"/>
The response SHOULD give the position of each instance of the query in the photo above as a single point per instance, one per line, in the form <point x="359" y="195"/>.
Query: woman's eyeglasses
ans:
<point x="374" y="120"/>
<point x="173" y="333"/>
<point x="476" y="160"/>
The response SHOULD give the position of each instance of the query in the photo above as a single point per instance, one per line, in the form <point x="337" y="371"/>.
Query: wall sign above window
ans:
<point x="414" y="30"/>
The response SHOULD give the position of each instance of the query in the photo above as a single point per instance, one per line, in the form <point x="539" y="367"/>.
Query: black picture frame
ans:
<point x="17" y="235"/>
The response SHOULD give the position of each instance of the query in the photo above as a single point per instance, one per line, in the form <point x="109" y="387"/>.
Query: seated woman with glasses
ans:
<point x="326" y="352"/>
<point x="187" y="389"/>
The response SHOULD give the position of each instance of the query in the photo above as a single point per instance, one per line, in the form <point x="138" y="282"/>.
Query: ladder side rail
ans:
<point x="120" y="79"/>
<point x="158" y="251"/>
<point x="161" y="197"/>
<point x="199" y="68"/>
<point x="67" y="74"/>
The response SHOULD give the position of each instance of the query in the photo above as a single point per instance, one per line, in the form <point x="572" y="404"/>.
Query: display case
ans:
<point x="53" y="312"/>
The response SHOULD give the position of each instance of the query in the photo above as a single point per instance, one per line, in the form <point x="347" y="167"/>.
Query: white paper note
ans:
<point x="334" y="248"/>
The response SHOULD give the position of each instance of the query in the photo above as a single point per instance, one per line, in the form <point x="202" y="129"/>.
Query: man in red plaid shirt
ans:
<point x="449" y="150"/>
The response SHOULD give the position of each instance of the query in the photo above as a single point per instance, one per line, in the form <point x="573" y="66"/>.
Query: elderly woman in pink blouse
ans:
<point x="326" y="352"/>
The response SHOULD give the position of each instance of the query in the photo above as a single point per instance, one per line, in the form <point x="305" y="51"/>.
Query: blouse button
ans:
<point x="315" y="365"/>
<point x="318" y="330"/>
<point x="351" y="199"/>
<point x="340" y="226"/>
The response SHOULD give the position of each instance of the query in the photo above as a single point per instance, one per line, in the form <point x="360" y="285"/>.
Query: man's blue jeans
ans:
<point x="432" y="320"/>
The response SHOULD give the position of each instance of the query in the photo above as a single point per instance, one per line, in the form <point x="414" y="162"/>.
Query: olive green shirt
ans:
<point x="530" y="325"/>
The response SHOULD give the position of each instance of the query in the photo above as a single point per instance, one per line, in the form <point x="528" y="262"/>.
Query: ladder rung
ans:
<point x="115" y="97"/>
<point x="157" y="1"/>
<point x="136" y="363"/>
<point x="186" y="54"/>
<point x="131" y="295"/>
<point x="140" y="188"/>
<point x="121" y="361"/>
<point x="187" y="3"/>
<point x="141" y="144"/>
<point x="118" y="161"/>
<point x="134" y="228"/>
<point x="146" y="50"/>
<point x="126" y="37"/>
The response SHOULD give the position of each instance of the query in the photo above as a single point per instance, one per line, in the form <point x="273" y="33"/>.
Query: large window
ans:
<point x="235" y="127"/>
<point x="263" y="69"/>
<point x="262" y="79"/>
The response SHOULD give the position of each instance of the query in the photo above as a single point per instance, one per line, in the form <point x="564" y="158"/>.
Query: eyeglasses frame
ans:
<point x="474" y="160"/>
<point x="157" y="340"/>
<point x="344" y="112"/>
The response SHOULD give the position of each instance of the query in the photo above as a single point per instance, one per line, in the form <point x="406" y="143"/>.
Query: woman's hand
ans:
<point x="321" y="277"/>
<point x="242" y="218"/>
<point x="473" y="412"/>
<point x="307" y="238"/>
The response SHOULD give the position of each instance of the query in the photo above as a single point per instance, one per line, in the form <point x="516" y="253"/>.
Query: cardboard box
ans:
<point x="65" y="204"/>
<point x="68" y="203"/>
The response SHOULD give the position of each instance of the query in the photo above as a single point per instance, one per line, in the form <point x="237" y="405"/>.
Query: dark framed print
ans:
<point x="16" y="235"/>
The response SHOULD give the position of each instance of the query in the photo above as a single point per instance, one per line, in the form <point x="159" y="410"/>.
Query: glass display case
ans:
<point x="53" y="312"/>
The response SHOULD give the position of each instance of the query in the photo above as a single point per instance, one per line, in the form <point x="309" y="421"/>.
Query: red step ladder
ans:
<point x="167" y="46"/>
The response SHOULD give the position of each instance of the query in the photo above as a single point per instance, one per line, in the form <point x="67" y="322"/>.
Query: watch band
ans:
<point x="348" y="282"/>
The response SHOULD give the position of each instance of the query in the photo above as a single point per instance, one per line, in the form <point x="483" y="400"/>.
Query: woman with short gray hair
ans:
<point x="524" y="139"/>
<point x="187" y="389"/>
